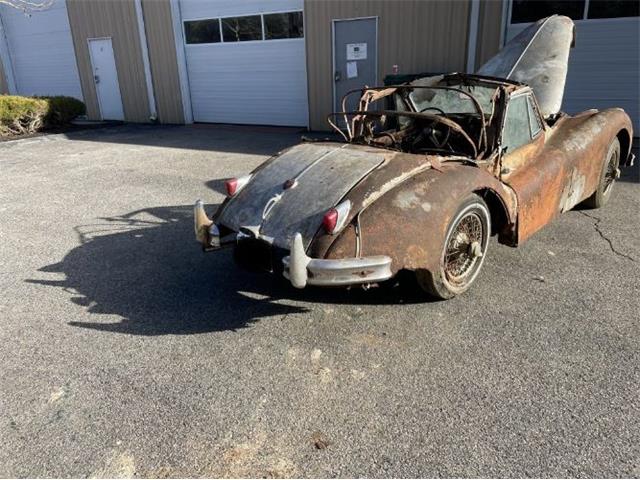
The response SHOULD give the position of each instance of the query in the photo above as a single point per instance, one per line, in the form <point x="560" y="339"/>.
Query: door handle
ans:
<point x="337" y="77"/>
<point x="96" y="78"/>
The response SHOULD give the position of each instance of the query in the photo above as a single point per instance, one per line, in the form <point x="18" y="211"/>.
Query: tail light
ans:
<point x="335" y="219"/>
<point x="234" y="185"/>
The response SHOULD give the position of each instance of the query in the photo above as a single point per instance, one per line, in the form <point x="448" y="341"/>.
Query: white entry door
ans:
<point x="105" y="77"/>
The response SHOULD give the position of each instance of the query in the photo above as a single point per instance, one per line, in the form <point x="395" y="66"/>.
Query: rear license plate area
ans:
<point x="254" y="255"/>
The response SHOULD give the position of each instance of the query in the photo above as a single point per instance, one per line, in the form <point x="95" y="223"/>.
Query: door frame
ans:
<point x="95" y="89"/>
<point x="333" y="51"/>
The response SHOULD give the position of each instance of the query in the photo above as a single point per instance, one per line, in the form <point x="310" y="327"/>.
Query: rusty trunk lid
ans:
<point x="322" y="174"/>
<point x="537" y="56"/>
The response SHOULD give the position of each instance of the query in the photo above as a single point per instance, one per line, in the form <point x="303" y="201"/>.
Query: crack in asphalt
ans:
<point x="596" y="226"/>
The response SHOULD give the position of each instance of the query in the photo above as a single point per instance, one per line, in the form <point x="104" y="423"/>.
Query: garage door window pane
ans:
<point x="283" y="25"/>
<point x="524" y="11"/>
<point x="613" y="8"/>
<point x="242" y="29"/>
<point x="202" y="31"/>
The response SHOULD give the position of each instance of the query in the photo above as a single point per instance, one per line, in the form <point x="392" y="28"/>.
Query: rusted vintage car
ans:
<point x="426" y="173"/>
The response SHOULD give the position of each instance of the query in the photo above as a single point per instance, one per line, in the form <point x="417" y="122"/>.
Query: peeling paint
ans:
<point x="394" y="182"/>
<point x="406" y="199"/>
<point x="573" y="191"/>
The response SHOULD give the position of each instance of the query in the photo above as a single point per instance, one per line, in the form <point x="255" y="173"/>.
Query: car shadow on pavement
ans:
<point x="146" y="267"/>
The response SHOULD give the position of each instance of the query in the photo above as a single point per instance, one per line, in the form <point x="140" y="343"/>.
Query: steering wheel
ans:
<point x="432" y="130"/>
<point x="439" y="110"/>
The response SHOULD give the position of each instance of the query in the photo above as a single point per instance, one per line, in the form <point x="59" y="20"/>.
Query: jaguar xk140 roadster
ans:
<point x="425" y="173"/>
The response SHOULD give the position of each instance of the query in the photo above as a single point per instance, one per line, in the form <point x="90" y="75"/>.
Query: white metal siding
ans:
<point x="41" y="51"/>
<point x="604" y="66"/>
<point x="257" y="82"/>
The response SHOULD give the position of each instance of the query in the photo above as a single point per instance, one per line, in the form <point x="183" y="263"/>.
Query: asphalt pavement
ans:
<point x="126" y="351"/>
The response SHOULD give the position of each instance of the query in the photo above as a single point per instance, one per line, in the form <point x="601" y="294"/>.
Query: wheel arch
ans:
<point x="408" y="220"/>
<point x="624" y="137"/>
<point x="500" y="218"/>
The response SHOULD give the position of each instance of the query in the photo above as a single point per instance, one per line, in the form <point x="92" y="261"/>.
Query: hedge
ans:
<point x="24" y="115"/>
<point x="62" y="110"/>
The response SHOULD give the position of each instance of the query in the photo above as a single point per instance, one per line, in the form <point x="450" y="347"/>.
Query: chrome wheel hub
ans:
<point x="464" y="248"/>
<point x="612" y="173"/>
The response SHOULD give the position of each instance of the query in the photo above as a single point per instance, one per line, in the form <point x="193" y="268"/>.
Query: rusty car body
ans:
<point x="426" y="173"/>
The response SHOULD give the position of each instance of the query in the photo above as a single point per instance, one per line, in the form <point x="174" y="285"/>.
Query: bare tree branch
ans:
<point x="28" y="5"/>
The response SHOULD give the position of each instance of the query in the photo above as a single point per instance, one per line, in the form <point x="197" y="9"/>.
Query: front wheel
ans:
<point x="463" y="251"/>
<point x="608" y="175"/>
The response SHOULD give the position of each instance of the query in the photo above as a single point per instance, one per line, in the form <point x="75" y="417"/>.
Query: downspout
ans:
<point x="472" y="41"/>
<point x="506" y="10"/>
<point x="5" y="58"/>
<point x="183" y="76"/>
<point x="153" y="114"/>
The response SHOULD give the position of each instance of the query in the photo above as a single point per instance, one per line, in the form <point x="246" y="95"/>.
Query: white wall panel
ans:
<point x="42" y="52"/>
<point x="193" y="9"/>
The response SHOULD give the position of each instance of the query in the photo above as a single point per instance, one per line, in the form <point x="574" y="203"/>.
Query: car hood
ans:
<point x="322" y="173"/>
<point x="537" y="56"/>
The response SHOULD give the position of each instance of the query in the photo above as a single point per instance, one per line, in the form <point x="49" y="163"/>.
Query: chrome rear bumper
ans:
<point x="302" y="270"/>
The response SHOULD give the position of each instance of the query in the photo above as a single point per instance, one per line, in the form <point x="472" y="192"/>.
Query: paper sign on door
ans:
<point x="352" y="69"/>
<point x="356" y="51"/>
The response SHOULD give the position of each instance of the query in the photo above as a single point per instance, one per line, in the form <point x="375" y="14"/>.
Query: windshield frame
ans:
<point x="371" y="94"/>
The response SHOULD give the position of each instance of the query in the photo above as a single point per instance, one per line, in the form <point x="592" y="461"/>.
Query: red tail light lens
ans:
<point x="330" y="220"/>
<point x="336" y="217"/>
<point x="232" y="186"/>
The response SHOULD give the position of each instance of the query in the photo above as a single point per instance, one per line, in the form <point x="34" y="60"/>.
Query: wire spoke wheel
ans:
<point x="611" y="172"/>
<point x="464" y="248"/>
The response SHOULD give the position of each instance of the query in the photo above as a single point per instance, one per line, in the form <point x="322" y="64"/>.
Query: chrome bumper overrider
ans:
<point x="206" y="231"/>
<point x="201" y="222"/>
<point x="302" y="270"/>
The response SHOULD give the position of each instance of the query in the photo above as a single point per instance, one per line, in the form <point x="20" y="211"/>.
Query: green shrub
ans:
<point x="21" y="115"/>
<point x="62" y="110"/>
<point x="24" y="115"/>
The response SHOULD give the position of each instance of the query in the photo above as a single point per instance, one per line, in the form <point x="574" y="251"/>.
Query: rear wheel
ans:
<point x="463" y="251"/>
<point x="608" y="175"/>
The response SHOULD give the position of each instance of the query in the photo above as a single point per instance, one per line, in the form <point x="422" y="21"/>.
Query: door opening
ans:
<point x="105" y="77"/>
<point x="355" y="58"/>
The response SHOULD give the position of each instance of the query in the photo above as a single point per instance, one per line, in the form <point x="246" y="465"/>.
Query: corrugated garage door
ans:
<point x="246" y="61"/>
<point x="41" y="50"/>
<point x="604" y="66"/>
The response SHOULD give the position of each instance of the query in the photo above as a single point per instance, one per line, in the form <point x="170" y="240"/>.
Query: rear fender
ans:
<point x="409" y="222"/>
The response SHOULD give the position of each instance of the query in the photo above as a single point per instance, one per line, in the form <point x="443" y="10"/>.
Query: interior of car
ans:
<point x="432" y="115"/>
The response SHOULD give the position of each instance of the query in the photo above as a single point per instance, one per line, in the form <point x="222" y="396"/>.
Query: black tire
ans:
<point x="463" y="251"/>
<point x="608" y="175"/>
